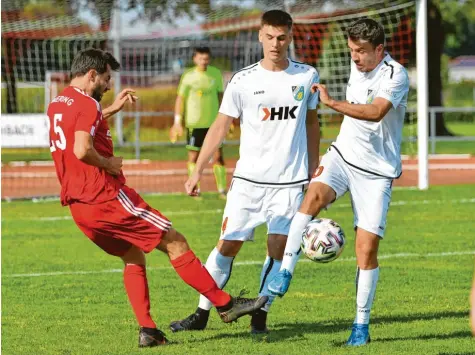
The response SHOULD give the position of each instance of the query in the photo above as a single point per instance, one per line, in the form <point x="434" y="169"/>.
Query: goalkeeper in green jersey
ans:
<point x="199" y="94"/>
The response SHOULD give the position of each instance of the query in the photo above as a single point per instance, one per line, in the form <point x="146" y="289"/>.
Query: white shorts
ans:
<point x="370" y="194"/>
<point x="249" y="206"/>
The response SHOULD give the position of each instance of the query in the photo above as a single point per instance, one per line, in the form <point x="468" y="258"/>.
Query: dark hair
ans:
<point x="276" y="18"/>
<point x="92" y="58"/>
<point x="368" y="30"/>
<point x="201" y="50"/>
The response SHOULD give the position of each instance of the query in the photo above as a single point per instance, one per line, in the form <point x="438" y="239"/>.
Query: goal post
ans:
<point x="422" y="96"/>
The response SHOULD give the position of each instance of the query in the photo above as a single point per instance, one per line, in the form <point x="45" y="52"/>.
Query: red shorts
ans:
<point x="118" y="224"/>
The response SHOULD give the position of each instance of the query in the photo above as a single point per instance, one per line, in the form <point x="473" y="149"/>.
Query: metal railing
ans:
<point x="433" y="138"/>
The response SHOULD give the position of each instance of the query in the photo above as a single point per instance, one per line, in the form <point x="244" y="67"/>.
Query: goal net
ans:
<point x="39" y="51"/>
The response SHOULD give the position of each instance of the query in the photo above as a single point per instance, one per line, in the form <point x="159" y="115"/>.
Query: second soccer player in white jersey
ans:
<point x="278" y="149"/>
<point x="364" y="160"/>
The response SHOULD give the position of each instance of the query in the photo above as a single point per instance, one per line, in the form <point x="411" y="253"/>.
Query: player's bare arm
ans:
<point x="84" y="151"/>
<point x="119" y="102"/>
<point x="313" y="140"/>
<point x="177" y="129"/>
<point x="367" y="112"/>
<point x="215" y="136"/>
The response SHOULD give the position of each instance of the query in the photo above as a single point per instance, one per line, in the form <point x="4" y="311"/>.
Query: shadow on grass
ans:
<point x="284" y="331"/>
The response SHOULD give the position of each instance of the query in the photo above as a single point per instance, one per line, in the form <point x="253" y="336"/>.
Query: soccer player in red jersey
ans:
<point x="107" y="211"/>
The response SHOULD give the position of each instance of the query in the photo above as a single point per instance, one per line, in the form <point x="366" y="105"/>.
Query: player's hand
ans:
<point x="175" y="132"/>
<point x="126" y="95"/>
<point x="114" y="165"/>
<point x="191" y="185"/>
<point x="325" y="98"/>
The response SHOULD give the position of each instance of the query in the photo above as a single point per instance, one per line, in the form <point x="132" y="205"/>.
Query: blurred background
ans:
<point x="154" y="40"/>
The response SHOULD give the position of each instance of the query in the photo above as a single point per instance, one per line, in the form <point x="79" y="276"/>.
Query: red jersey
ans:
<point x="73" y="110"/>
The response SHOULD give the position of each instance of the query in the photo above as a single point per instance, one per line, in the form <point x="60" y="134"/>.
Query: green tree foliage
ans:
<point x="458" y="22"/>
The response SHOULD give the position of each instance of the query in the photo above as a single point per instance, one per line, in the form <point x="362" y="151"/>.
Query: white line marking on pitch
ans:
<point x="341" y="205"/>
<point x="243" y="263"/>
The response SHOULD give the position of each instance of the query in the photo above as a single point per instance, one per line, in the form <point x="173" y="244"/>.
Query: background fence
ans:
<point x="37" y="54"/>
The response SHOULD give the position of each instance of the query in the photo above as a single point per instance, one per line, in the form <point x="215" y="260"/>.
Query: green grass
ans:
<point x="32" y="100"/>
<point x="29" y="100"/>
<point x="421" y="305"/>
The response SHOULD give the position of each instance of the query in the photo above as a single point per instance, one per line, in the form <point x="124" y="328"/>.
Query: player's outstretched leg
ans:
<point x="318" y="196"/>
<point x="190" y="269"/>
<point x="220" y="267"/>
<point x="279" y="285"/>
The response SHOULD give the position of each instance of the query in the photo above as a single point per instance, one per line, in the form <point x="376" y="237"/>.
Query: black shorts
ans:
<point x="195" y="138"/>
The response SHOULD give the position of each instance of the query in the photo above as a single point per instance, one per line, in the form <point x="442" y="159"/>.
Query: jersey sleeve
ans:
<point x="183" y="86"/>
<point x="232" y="103"/>
<point x="88" y="117"/>
<point x="312" y="100"/>
<point x="394" y="85"/>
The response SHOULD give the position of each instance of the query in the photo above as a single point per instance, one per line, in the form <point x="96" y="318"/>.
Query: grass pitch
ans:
<point x="62" y="295"/>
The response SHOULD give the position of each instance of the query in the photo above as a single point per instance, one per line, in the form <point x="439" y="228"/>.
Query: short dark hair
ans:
<point x="201" y="50"/>
<point x="92" y="58"/>
<point x="368" y="30"/>
<point x="276" y="18"/>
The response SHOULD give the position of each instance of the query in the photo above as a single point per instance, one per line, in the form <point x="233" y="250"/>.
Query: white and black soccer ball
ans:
<point x="323" y="240"/>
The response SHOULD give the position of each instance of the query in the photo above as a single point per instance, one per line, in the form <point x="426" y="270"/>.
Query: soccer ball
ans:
<point x="323" y="240"/>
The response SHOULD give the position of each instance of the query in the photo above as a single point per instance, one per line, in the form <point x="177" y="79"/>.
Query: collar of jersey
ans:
<point x="280" y="71"/>
<point x="79" y="90"/>
<point x="375" y="70"/>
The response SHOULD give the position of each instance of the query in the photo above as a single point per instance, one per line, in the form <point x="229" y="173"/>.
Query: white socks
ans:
<point x="270" y="268"/>
<point x="219" y="267"/>
<point x="292" y="248"/>
<point x="366" y="281"/>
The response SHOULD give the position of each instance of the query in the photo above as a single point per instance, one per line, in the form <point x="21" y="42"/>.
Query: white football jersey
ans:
<point x="272" y="107"/>
<point x="375" y="147"/>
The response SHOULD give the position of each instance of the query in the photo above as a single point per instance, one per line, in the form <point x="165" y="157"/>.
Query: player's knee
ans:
<point x="134" y="256"/>
<point x="174" y="244"/>
<point x="313" y="202"/>
<point x="367" y="256"/>
<point x="229" y="248"/>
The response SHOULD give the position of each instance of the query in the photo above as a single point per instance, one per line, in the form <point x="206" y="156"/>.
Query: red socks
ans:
<point x="136" y="285"/>
<point x="190" y="269"/>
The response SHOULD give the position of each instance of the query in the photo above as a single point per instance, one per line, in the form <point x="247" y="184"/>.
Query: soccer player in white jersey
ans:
<point x="364" y="160"/>
<point x="278" y="153"/>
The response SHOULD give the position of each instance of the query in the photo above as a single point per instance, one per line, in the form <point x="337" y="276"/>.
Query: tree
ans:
<point x="149" y="10"/>
<point x="458" y="22"/>
<point x="435" y="47"/>
<point x="453" y="34"/>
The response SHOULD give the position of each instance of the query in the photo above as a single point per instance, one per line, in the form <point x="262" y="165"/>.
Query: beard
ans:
<point x="97" y="94"/>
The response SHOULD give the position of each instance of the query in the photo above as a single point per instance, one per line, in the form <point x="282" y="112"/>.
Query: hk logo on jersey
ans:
<point x="279" y="113"/>
<point x="298" y="92"/>
<point x="370" y="96"/>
